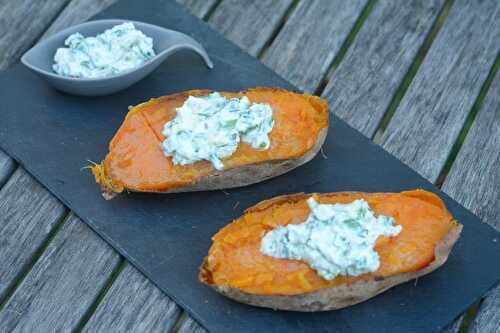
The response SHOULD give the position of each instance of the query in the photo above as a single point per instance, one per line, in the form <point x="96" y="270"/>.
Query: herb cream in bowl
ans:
<point x="104" y="56"/>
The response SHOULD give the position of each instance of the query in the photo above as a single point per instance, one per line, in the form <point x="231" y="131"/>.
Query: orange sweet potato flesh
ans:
<point x="235" y="260"/>
<point x="136" y="162"/>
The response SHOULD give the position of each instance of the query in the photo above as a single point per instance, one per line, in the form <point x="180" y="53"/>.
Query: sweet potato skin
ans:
<point x="338" y="295"/>
<point x="246" y="167"/>
<point x="252" y="173"/>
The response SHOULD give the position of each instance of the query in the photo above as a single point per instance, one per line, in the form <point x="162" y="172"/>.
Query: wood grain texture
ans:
<point x="63" y="283"/>
<point x="75" y="12"/>
<point x="28" y="213"/>
<point x="199" y="8"/>
<point x="474" y="181"/>
<point x="306" y="46"/>
<point x="363" y="85"/>
<point x="21" y="23"/>
<point x="7" y="166"/>
<point x="454" y="327"/>
<point x="488" y="317"/>
<point x="134" y="304"/>
<point x="249" y="24"/>
<point x="191" y="326"/>
<point x="433" y="111"/>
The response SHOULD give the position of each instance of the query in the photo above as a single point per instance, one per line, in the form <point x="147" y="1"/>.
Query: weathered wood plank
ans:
<point x="249" y="23"/>
<point x="21" y="23"/>
<point x="362" y="87"/>
<point x="63" y="283"/>
<point x="488" y="317"/>
<point x="434" y="109"/>
<point x="191" y="326"/>
<point x="77" y="11"/>
<point x="197" y="7"/>
<point x="28" y="213"/>
<point x="474" y="181"/>
<point x="134" y="304"/>
<point x="454" y="327"/>
<point x="7" y="166"/>
<point x="306" y="46"/>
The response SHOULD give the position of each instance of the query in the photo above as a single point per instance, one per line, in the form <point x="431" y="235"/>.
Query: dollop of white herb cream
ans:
<point x="336" y="239"/>
<point x="116" y="50"/>
<point x="211" y="127"/>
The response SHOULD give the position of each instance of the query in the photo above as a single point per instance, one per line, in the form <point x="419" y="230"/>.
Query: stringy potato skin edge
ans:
<point x="339" y="296"/>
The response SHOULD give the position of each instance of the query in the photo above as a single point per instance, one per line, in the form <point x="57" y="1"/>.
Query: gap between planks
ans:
<point x="312" y="36"/>
<point x="468" y="122"/>
<point x="278" y="29"/>
<point x="412" y="71"/>
<point x="7" y="168"/>
<point x="37" y="254"/>
<point x="432" y="112"/>
<point x="107" y="286"/>
<point x="211" y="10"/>
<point x="345" y="46"/>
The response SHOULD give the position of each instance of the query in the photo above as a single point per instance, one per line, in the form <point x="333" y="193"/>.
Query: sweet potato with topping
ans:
<point x="136" y="161"/>
<point x="236" y="268"/>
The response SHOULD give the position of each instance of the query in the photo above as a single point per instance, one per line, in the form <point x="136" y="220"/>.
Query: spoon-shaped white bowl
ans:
<point x="40" y="58"/>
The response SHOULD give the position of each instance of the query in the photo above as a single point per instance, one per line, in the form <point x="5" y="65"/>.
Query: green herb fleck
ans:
<point x="230" y="123"/>
<point x="351" y="223"/>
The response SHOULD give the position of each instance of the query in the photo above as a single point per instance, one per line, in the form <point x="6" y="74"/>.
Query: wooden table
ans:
<point x="418" y="77"/>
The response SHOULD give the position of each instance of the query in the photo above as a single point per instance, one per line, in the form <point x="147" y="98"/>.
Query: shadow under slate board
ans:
<point x="166" y="236"/>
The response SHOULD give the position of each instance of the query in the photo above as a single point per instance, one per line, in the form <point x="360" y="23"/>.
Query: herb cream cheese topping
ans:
<point x="116" y="50"/>
<point x="336" y="239"/>
<point x="211" y="127"/>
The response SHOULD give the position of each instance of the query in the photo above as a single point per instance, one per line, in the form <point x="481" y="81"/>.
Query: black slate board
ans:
<point x="52" y="135"/>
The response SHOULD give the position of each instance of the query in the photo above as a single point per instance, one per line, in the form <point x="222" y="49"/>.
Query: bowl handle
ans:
<point x="182" y="41"/>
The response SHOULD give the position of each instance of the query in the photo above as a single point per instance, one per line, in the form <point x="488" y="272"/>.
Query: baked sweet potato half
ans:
<point x="236" y="267"/>
<point x="136" y="162"/>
